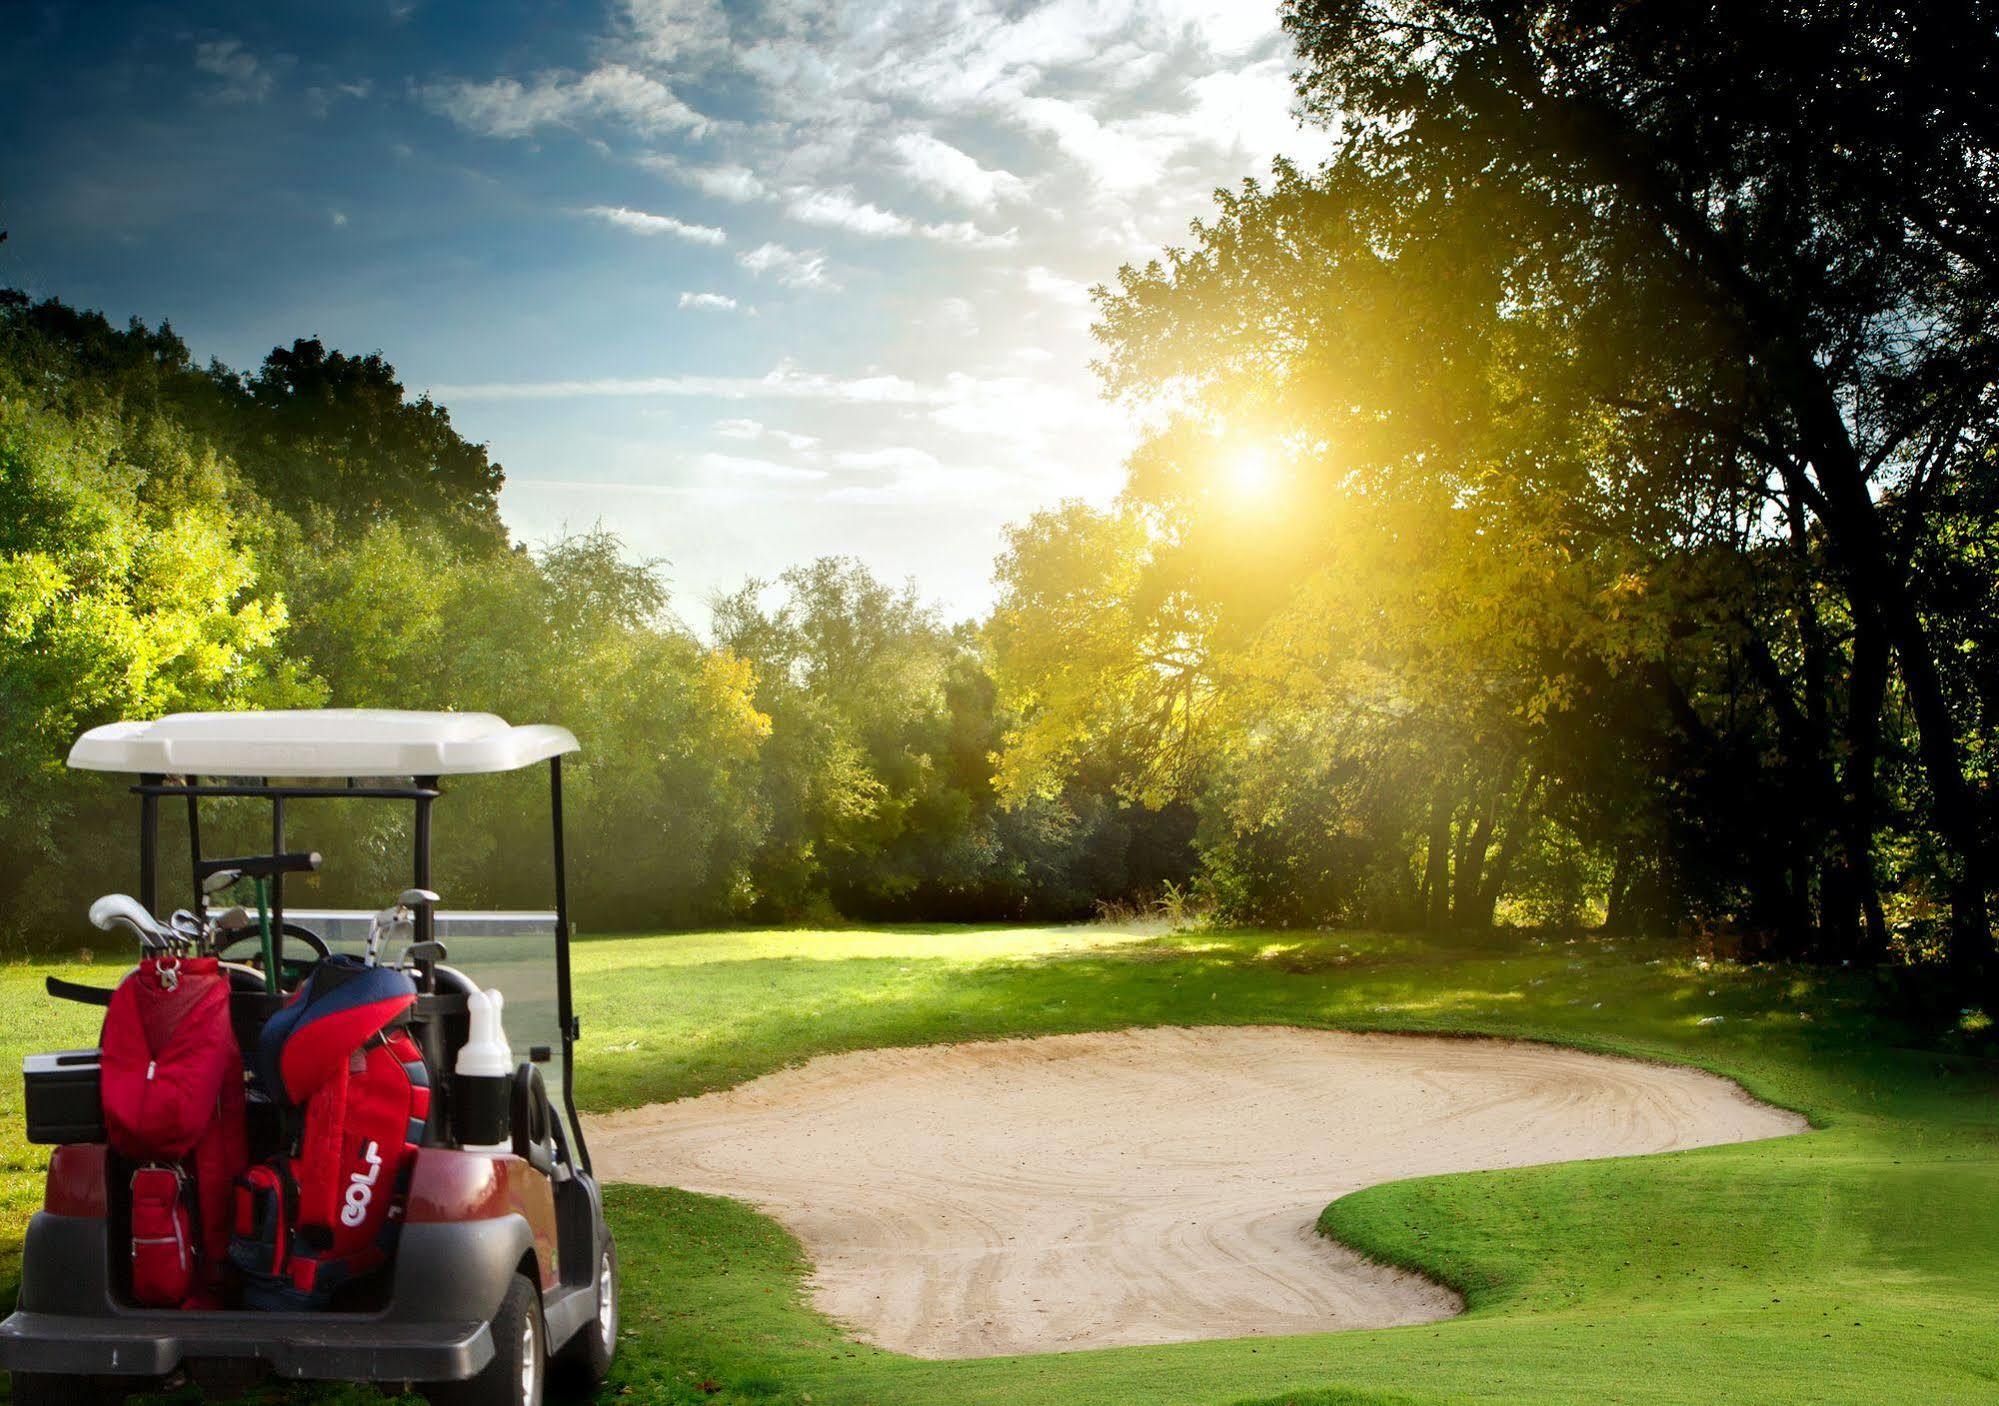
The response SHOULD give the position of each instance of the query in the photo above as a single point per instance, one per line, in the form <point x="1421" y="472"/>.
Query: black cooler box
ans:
<point x="64" y="1101"/>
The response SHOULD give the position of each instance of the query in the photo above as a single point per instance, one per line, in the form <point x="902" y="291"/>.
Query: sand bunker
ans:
<point x="1147" y="1186"/>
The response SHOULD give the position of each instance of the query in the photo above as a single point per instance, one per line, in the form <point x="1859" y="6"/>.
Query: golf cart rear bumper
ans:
<point x="448" y="1280"/>
<point x="291" y="1345"/>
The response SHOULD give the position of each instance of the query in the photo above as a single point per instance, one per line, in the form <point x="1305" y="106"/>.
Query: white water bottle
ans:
<point x="483" y="1084"/>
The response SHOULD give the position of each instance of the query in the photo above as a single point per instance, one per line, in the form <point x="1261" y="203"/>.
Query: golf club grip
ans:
<point x="264" y="865"/>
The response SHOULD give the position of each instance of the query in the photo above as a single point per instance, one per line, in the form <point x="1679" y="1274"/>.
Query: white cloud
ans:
<point x="737" y="184"/>
<point x="957" y="315"/>
<point x="965" y="485"/>
<point x="319" y="100"/>
<point x="734" y="466"/>
<point x="756" y="429"/>
<point x="642" y="222"/>
<point x="638" y="98"/>
<point x="793" y="268"/>
<point x="785" y="381"/>
<point x="838" y="209"/>
<point x="965" y="233"/>
<point x="944" y="170"/>
<point x="1115" y="157"/>
<point x="712" y="302"/>
<point x="244" y="78"/>
<point x="339" y="217"/>
<point x="506" y="107"/>
<point x="670" y="31"/>
<point x="902" y="457"/>
<point x="1046" y="283"/>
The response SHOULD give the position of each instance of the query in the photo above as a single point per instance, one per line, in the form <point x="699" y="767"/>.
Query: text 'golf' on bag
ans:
<point x="356" y="1096"/>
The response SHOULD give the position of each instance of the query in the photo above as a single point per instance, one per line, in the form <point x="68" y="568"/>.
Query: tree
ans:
<point x="1811" y="185"/>
<point x="1611" y="429"/>
<point x="128" y="587"/>
<point x="660" y="831"/>
<point x="335" y="433"/>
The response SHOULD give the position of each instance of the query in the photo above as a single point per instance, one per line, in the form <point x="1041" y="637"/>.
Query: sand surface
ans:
<point x="1145" y="1186"/>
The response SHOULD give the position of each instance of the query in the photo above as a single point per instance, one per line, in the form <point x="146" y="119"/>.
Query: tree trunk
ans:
<point x="1867" y="691"/>
<point x="1838" y="907"/>
<point x="1880" y="595"/>
<point x="1471" y="865"/>
<point x="1614" y="915"/>
<point x="1501" y="869"/>
<point x="1812" y="806"/>
<point x="1437" y="879"/>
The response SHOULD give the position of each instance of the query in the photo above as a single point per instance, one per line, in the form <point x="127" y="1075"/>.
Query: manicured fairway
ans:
<point x="1859" y="1263"/>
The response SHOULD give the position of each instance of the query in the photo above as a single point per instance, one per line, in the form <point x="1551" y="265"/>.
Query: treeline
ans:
<point x="1584" y="489"/>
<point x="1577" y="502"/>
<point x="181" y="537"/>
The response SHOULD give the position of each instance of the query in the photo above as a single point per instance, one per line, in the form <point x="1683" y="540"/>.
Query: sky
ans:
<point x="746" y="284"/>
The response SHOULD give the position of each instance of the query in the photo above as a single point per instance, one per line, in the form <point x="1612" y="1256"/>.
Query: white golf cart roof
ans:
<point x="319" y="742"/>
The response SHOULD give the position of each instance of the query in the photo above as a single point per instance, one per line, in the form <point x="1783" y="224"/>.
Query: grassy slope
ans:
<point x="1858" y="1264"/>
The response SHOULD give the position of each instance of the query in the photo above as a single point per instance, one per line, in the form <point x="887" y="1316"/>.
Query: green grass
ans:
<point x="1858" y="1264"/>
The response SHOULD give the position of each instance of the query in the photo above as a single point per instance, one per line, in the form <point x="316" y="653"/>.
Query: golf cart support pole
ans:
<point x="277" y="879"/>
<point x="149" y="841"/>
<point x="565" y="1006"/>
<point x="194" y="851"/>
<point x="430" y="1035"/>
<point x="426" y="792"/>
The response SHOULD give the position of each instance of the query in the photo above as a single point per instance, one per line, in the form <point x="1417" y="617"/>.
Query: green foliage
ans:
<point x="182" y="538"/>
<point x="127" y="587"/>
<point x="333" y="434"/>
<point x="877" y="781"/>
<point x="1565" y="501"/>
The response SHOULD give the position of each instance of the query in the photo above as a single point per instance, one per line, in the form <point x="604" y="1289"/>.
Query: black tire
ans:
<point x="519" y="1370"/>
<point x="54" y="1389"/>
<point x="585" y="1360"/>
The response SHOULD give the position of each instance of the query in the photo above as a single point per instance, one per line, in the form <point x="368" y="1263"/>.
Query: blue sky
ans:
<point x="747" y="284"/>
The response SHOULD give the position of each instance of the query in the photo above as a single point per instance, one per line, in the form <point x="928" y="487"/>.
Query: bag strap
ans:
<point x="77" y="991"/>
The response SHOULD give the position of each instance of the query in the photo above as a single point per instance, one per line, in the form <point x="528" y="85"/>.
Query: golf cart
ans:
<point x="306" y="1145"/>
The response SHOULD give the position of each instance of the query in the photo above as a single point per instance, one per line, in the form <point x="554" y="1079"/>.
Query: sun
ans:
<point x="1249" y="473"/>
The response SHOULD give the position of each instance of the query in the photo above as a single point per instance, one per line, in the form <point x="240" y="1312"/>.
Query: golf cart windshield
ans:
<point x="513" y="952"/>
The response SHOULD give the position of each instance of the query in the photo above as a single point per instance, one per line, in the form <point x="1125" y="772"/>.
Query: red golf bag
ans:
<point x="356" y="1094"/>
<point x="172" y="1080"/>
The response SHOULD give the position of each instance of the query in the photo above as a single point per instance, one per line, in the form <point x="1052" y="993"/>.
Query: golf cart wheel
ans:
<point x="53" y="1389"/>
<point x="517" y="1373"/>
<point x="586" y="1358"/>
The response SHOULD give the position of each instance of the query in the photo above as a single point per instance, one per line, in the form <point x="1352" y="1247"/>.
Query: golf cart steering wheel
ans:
<point x="291" y="970"/>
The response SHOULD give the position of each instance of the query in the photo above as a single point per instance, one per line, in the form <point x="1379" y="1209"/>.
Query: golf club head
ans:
<point x="237" y="919"/>
<point x="415" y="898"/>
<point x="122" y="910"/>
<point x="219" y="880"/>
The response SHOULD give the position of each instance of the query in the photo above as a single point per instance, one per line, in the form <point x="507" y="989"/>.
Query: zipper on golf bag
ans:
<point x="162" y="1236"/>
